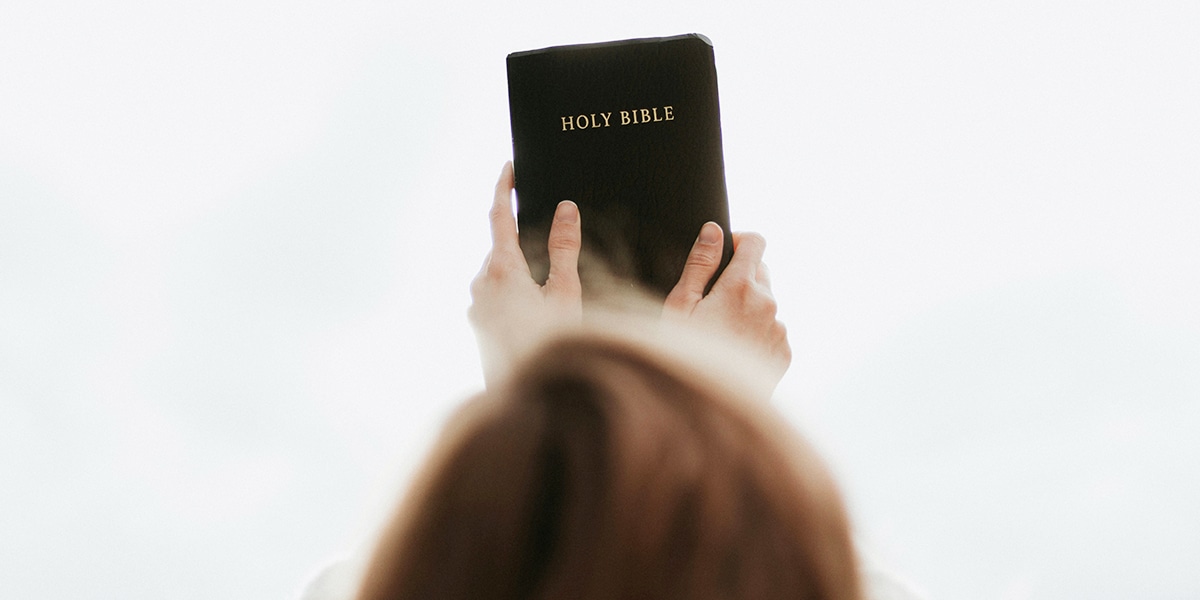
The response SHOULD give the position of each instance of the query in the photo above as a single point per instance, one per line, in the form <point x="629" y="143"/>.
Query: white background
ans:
<point x="236" y="239"/>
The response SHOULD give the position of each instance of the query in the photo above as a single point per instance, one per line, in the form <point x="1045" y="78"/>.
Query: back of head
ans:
<point x="602" y="470"/>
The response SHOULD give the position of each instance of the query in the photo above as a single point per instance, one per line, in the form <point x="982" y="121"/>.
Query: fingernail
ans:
<point x="567" y="212"/>
<point x="710" y="233"/>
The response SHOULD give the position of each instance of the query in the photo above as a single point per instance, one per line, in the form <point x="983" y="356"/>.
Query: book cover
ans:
<point x="631" y="132"/>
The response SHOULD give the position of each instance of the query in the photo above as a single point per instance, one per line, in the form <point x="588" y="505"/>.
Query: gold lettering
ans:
<point x="635" y="116"/>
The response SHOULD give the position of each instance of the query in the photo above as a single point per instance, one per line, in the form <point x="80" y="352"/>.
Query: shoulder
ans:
<point x="880" y="583"/>
<point x="338" y="580"/>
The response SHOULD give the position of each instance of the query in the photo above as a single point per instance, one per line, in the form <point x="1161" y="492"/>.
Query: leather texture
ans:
<point x="644" y="189"/>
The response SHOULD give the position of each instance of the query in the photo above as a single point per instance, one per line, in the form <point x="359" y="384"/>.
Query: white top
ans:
<point x="340" y="579"/>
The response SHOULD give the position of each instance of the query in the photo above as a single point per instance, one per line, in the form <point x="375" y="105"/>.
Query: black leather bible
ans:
<point x="631" y="132"/>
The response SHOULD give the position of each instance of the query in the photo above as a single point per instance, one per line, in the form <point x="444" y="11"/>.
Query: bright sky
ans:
<point x="236" y="239"/>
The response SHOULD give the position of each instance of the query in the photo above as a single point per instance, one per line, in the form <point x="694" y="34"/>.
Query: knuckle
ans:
<point x="744" y="291"/>
<point x="500" y="265"/>
<point x="689" y="299"/>
<point x="560" y="243"/>
<point x="754" y="238"/>
<point x="488" y="279"/>
<point x="679" y="300"/>
<point x="702" y="260"/>
<point x="768" y="304"/>
<point x="488" y="282"/>
<point x="781" y="341"/>
<point x="497" y="211"/>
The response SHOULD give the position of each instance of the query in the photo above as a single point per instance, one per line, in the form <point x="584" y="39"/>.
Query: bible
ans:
<point x="631" y="132"/>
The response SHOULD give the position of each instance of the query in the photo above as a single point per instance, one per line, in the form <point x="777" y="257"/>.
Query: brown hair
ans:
<point x="602" y="470"/>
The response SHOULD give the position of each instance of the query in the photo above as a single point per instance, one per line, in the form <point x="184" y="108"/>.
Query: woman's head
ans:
<point x="604" y="470"/>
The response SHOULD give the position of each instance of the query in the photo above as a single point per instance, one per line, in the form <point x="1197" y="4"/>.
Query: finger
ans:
<point x="563" y="246"/>
<point x="487" y="260"/>
<point x="763" y="275"/>
<point x="748" y="251"/>
<point x="503" y="223"/>
<point x="781" y="348"/>
<point x="702" y="263"/>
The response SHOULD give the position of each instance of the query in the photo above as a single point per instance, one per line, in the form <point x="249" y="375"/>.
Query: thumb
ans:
<point x="702" y="263"/>
<point x="563" y="246"/>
